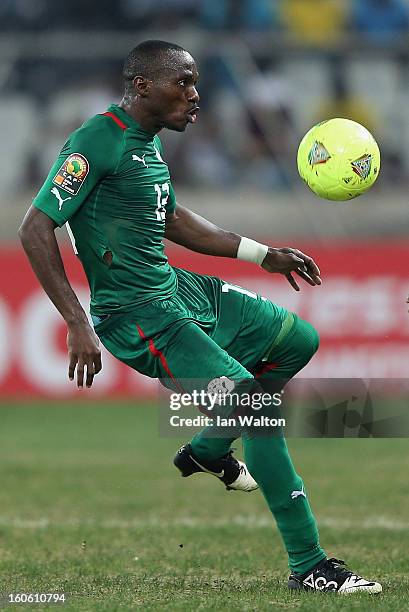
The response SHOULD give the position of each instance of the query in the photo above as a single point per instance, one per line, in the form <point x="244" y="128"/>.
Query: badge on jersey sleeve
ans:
<point x="72" y="173"/>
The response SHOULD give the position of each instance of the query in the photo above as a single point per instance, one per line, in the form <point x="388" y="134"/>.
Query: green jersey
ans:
<point x="112" y="188"/>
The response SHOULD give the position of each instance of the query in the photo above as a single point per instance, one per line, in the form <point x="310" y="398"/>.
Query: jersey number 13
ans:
<point x="162" y="193"/>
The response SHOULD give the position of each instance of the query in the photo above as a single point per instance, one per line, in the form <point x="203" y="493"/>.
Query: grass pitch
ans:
<point x="91" y="506"/>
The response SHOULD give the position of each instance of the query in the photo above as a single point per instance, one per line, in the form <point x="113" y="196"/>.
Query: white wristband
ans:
<point x="252" y="251"/>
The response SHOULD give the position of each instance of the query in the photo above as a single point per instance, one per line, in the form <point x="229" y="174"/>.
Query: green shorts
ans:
<point x="208" y="329"/>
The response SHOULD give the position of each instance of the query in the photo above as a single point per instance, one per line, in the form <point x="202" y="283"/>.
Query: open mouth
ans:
<point x="192" y="114"/>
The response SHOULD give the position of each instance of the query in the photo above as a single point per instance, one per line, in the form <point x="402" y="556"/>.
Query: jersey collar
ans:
<point x="129" y="121"/>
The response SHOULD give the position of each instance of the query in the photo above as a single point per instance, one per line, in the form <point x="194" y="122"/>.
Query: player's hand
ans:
<point x="83" y="352"/>
<point x="287" y="261"/>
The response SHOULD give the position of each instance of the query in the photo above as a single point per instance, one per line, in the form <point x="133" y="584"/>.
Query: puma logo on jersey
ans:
<point x="61" y="200"/>
<point x="296" y="494"/>
<point x="140" y="159"/>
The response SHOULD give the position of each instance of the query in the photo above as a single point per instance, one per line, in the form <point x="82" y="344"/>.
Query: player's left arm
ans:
<point x="192" y="231"/>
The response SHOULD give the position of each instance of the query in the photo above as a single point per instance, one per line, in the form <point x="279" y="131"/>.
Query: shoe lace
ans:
<point x="229" y="458"/>
<point x="242" y="467"/>
<point x="335" y="568"/>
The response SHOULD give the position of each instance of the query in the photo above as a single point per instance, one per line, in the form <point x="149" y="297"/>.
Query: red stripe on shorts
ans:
<point x="116" y="119"/>
<point x="266" y="368"/>
<point x="157" y="353"/>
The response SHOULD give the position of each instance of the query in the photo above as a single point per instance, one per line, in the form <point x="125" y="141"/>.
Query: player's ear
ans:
<point x="141" y="86"/>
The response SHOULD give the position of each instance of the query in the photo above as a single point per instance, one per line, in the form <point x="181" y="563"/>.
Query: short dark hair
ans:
<point x="148" y="59"/>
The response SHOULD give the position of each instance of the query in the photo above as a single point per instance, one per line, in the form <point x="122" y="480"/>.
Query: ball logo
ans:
<point x="362" y="166"/>
<point x="318" y="154"/>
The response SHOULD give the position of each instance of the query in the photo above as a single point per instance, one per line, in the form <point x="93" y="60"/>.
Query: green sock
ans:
<point x="270" y="465"/>
<point x="206" y="445"/>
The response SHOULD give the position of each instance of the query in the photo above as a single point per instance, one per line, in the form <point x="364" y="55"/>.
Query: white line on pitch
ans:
<point x="251" y="522"/>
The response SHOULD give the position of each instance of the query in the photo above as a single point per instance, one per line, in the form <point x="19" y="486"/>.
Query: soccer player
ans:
<point x="111" y="187"/>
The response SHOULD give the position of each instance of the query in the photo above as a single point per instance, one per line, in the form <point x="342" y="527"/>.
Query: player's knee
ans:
<point x="314" y="338"/>
<point x="305" y="343"/>
<point x="309" y="339"/>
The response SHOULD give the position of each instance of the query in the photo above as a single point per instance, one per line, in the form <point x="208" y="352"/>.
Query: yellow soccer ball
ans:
<point x="338" y="159"/>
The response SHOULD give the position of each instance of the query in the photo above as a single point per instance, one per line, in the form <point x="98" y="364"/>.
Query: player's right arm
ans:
<point x="38" y="239"/>
<point x="82" y="163"/>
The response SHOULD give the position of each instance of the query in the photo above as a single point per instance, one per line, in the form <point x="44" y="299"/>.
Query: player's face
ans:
<point x="174" y="98"/>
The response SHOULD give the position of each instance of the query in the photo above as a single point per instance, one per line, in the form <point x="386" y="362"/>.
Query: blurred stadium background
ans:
<point x="269" y="70"/>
